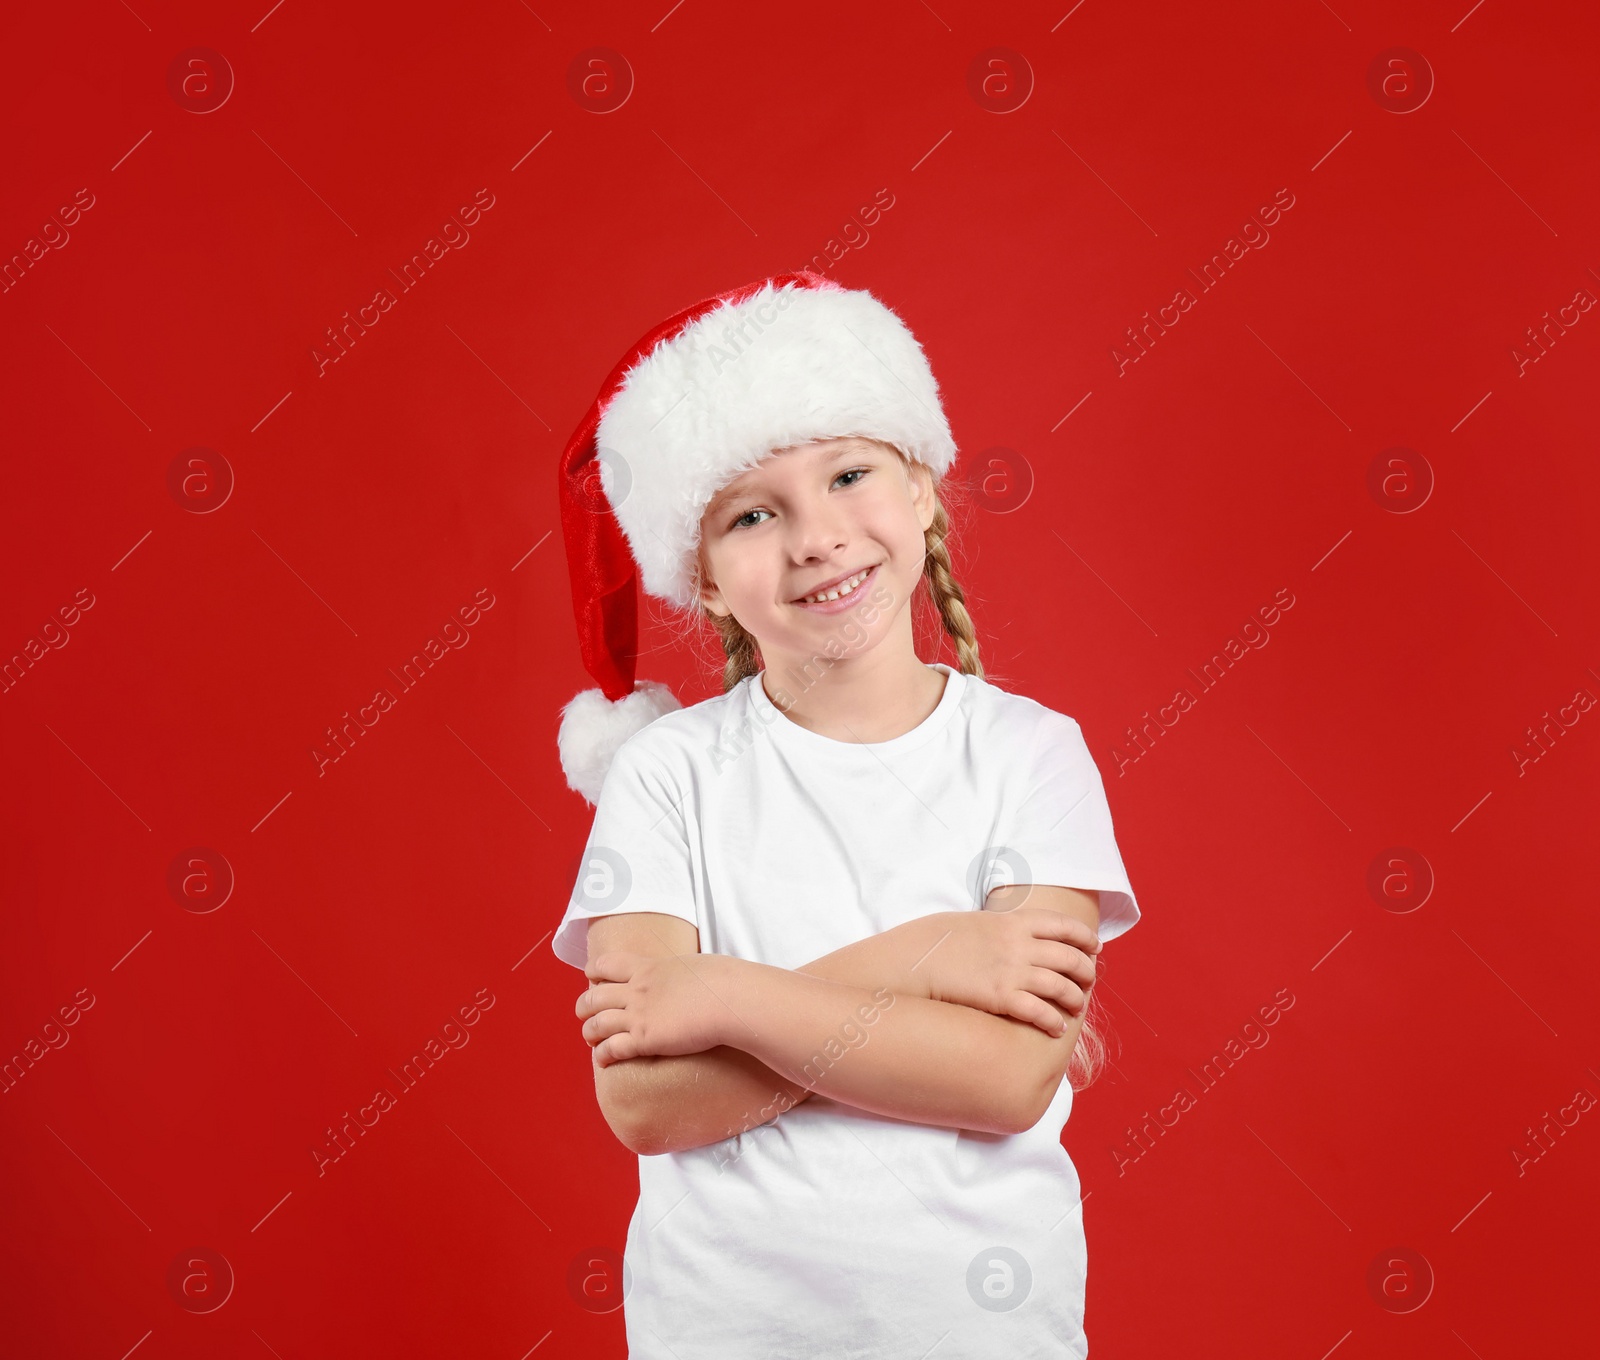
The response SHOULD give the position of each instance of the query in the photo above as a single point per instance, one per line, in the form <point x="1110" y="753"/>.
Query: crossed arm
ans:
<point x="861" y="1025"/>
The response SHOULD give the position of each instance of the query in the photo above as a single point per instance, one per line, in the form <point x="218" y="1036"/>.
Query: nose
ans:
<point x="817" y="532"/>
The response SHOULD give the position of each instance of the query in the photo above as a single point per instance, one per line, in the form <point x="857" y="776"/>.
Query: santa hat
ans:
<point x="702" y="397"/>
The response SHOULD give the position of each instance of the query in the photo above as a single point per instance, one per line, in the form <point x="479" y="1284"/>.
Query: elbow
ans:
<point x="1004" y="1114"/>
<point x="615" y="1092"/>
<point x="638" y="1144"/>
<point x="1014" y="1106"/>
<point x="628" y="1101"/>
<point x="1034" y="1110"/>
<point x="1023" y="1114"/>
<point x="640" y="1134"/>
<point x="1033" y="1083"/>
<point x="626" y="1132"/>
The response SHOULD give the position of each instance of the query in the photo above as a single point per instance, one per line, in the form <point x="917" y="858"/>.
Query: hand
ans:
<point x="1015" y="963"/>
<point x="650" y="1005"/>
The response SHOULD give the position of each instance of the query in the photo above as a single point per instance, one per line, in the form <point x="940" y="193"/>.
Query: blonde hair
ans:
<point x="945" y="598"/>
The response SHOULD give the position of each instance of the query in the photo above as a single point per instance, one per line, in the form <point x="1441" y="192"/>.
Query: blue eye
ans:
<point x="850" y="472"/>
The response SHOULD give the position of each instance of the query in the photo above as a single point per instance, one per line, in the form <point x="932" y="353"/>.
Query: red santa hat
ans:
<point x="701" y="398"/>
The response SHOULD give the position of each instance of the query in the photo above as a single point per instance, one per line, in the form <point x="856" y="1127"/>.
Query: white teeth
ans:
<point x="843" y="589"/>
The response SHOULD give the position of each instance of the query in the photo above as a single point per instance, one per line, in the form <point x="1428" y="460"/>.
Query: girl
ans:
<point x="840" y="921"/>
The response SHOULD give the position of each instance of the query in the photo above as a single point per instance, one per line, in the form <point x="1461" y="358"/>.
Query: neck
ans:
<point x="871" y="696"/>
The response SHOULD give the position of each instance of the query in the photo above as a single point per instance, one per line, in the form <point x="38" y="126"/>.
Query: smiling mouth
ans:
<point x="843" y="591"/>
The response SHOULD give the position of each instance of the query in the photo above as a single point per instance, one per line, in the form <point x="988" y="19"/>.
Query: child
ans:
<point x="840" y="920"/>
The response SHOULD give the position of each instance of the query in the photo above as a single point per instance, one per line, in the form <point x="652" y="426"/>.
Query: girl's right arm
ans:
<point x="1022" y="962"/>
<point x="670" y="1104"/>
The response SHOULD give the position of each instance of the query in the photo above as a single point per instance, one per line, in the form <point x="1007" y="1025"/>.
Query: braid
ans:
<point x="743" y="661"/>
<point x="737" y="645"/>
<point x="947" y="593"/>
<point x="1089" y="1053"/>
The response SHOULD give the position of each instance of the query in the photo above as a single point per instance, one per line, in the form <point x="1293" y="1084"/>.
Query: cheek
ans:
<point x="899" y="528"/>
<point x="748" y="576"/>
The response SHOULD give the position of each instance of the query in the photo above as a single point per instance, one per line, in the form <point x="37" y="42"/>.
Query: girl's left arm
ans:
<point x="907" y="1057"/>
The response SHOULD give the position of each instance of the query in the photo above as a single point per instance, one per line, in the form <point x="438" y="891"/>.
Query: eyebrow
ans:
<point x="722" y="503"/>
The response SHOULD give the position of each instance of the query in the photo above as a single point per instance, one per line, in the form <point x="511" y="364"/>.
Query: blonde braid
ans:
<point x="737" y="645"/>
<point x="743" y="660"/>
<point x="947" y="594"/>
<point x="1089" y="1053"/>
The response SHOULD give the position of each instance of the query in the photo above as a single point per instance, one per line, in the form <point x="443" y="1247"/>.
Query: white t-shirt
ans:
<point x="831" y="1231"/>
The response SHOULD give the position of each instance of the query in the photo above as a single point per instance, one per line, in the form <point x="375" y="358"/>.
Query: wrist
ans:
<point x="726" y="979"/>
<point x="929" y="944"/>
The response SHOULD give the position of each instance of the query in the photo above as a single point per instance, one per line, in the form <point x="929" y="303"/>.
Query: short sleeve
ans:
<point x="1060" y="832"/>
<point x="638" y="855"/>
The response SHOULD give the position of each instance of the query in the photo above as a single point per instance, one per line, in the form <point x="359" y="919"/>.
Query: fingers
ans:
<point x="1066" y="959"/>
<point x="1048" y="924"/>
<point x="1052" y="986"/>
<point x="603" y="1025"/>
<point x="615" y="965"/>
<point x="1031" y="1009"/>
<point x="618" y="1048"/>
<point x="602" y="996"/>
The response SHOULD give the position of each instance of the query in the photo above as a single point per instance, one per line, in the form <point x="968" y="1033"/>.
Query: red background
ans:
<point x="369" y="502"/>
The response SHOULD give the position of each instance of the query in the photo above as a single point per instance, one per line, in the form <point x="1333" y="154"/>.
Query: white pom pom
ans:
<point x="593" y="729"/>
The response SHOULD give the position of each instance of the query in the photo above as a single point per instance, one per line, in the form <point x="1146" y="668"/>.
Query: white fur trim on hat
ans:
<point x="593" y="730"/>
<point x="782" y="367"/>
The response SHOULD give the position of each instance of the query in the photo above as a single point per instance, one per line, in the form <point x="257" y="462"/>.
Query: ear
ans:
<point x="710" y="597"/>
<point x="923" y="496"/>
